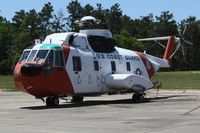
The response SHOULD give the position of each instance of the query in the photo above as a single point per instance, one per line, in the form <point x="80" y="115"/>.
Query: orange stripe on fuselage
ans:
<point x="147" y="64"/>
<point x="70" y="89"/>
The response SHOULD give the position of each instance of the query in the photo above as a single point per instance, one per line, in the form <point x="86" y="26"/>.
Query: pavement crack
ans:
<point x="192" y="110"/>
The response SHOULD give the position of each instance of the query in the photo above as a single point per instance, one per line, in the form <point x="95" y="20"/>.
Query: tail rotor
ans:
<point x="180" y="41"/>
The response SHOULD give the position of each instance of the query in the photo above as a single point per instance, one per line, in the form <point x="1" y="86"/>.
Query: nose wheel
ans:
<point x="52" y="101"/>
<point x="138" y="98"/>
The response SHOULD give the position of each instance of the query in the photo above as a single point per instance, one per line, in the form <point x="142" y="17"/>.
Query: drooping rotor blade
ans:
<point x="188" y="42"/>
<point x="185" y="28"/>
<point x="177" y="48"/>
<point x="179" y="32"/>
<point x="183" y="52"/>
<point x="154" y="38"/>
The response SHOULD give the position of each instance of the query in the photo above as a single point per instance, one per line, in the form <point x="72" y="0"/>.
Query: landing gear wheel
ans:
<point x="141" y="98"/>
<point x="49" y="101"/>
<point x="138" y="98"/>
<point x="77" y="99"/>
<point x="55" y="101"/>
<point x="52" y="101"/>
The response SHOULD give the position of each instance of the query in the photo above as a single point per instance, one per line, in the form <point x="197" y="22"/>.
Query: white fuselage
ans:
<point x="84" y="63"/>
<point x="89" y="80"/>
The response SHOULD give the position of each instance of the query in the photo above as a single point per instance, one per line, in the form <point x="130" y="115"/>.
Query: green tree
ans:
<point x="45" y="17"/>
<point x="59" y="22"/>
<point x="124" y="40"/>
<point x="6" y="44"/>
<point x="74" y="9"/>
<point x="88" y="10"/>
<point x="166" y="25"/>
<point x="115" y="19"/>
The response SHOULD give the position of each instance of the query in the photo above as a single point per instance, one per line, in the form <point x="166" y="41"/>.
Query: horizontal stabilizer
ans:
<point x="154" y="38"/>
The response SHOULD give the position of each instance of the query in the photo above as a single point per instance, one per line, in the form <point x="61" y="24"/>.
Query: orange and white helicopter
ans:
<point x="88" y="63"/>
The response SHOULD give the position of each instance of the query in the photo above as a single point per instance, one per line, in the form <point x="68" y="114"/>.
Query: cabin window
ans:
<point x="32" y="55"/>
<point x="24" y="56"/>
<point x="101" y="44"/>
<point x="128" y="66"/>
<point x="76" y="63"/>
<point x="59" y="60"/>
<point x="96" y="66"/>
<point x="113" y="66"/>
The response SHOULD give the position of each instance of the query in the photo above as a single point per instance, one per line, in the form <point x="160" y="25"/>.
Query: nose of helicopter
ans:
<point x="27" y="77"/>
<point x="42" y="80"/>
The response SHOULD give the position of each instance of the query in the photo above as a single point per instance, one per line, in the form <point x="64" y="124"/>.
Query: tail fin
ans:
<point x="169" y="48"/>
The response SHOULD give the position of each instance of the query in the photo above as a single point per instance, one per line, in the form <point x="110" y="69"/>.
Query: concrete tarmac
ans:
<point x="170" y="111"/>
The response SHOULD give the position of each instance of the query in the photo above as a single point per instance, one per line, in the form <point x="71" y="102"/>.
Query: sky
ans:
<point x="181" y="9"/>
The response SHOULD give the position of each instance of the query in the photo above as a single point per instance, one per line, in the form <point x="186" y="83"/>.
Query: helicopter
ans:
<point x="88" y="63"/>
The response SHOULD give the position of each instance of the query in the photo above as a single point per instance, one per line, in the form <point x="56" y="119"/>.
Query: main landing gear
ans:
<point x="138" y="97"/>
<point x="52" y="101"/>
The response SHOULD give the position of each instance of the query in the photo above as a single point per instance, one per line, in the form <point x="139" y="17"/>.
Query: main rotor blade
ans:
<point x="184" y="30"/>
<point x="183" y="52"/>
<point x="179" y="32"/>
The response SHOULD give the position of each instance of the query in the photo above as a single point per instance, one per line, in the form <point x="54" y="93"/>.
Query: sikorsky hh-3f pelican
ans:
<point x="88" y="63"/>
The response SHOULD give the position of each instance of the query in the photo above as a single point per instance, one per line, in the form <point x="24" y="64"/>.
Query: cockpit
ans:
<point x="52" y="57"/>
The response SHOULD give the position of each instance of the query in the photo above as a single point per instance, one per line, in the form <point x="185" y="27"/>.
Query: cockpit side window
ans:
<point x="32" y="55"/>
<point x="49" y="59"/>
<point x="24" y="56"/>
<point x="59" y="59"/>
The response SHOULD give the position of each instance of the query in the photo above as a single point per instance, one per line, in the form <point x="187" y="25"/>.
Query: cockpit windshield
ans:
<point x="32" y="55"/>
<point x="24" y="56"/>
<point x="41" y="55"/>
<point x="48" y="56"/>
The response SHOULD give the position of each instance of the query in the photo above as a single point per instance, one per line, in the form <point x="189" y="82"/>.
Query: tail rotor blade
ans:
<point x="188" y="42"/>
<point x="177" y="48"/>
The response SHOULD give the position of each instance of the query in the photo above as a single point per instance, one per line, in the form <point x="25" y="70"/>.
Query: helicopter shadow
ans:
<point x="100" y="102"/>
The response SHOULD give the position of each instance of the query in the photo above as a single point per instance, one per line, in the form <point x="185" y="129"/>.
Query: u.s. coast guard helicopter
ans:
<point x="87" y="63"/>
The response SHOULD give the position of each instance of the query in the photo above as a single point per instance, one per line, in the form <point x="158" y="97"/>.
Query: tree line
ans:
<point x="26" y="26"/>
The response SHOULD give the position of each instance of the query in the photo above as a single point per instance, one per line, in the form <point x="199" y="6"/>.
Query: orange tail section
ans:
<point x="169" y="49"/>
